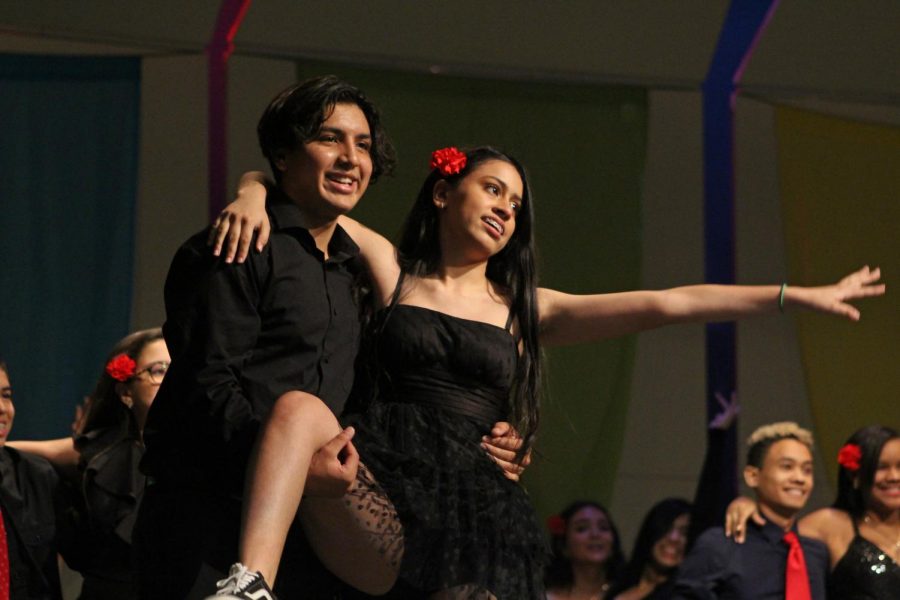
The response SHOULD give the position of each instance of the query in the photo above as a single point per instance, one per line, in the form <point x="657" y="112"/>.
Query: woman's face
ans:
<point x="589" y="537"/>
<point x="138" y="392"/>
<point x="480" y="212"/>
<point x="885" y="494"/>
<point x="7" y="410"/>
<point x="668" y="551"/>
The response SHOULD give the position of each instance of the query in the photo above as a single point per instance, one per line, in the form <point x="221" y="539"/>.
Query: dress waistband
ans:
<point x="479" y="405"/>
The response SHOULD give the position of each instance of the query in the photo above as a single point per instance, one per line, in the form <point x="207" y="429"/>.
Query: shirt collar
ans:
<point x="772" y="532"/>
<point x="285" y="214"/>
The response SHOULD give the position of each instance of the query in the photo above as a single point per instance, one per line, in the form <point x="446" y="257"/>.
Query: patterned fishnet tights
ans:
<point x="360" y="539"/>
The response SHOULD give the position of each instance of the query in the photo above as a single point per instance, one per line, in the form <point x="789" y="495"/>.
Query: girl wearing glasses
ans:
<point x="101" y="461"/>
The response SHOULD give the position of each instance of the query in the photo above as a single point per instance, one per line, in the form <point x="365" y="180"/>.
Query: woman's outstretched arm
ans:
<point x="570" y="319"/>
<point x="61" y="453"/>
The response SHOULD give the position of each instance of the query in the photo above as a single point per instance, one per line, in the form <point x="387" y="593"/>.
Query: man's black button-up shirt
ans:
<point x="240" y="336"/>
<point x="718" y="567"/>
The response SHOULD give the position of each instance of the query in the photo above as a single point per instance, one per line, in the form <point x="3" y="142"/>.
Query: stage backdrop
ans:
<point x="839" y="184"/>
<point x="584" y="148"/>
<point x="68" y="161"/>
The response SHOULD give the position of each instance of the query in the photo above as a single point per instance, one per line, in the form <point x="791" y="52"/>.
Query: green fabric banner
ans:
<point x="584" y="148"/>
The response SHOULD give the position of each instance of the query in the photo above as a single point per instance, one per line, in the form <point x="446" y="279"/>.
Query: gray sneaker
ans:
<point x="241" y="584"/>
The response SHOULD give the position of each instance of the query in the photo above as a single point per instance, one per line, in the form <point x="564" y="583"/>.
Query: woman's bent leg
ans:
<point x="298" y="426"/>
<point x="358" y="537"/>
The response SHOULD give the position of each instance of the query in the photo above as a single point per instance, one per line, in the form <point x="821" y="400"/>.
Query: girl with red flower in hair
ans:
<point x="862" y="527"/>
<point x="101" y="461"/>
<point x="587" y="554"/>
<point x="454" y="346"/>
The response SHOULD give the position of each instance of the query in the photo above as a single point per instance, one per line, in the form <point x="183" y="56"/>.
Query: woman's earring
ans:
<point x="124" y="395"/>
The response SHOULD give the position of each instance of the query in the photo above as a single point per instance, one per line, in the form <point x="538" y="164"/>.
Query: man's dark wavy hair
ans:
<point x="295" y="116"/>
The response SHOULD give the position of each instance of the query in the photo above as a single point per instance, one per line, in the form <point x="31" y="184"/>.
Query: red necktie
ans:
<point x="4" y="562"/>
<point x="796" y="580"/>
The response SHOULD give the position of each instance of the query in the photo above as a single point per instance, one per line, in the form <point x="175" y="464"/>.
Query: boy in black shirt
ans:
<point x="241" y="335"/>
<point x="773" y="558"/>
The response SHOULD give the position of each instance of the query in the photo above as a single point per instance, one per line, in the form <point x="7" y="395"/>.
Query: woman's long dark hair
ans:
<point x="656" y="524"/>
<point x="105" y="409"/>
<point x="512" y="270"/>
<point x="855" y="487"/>
<point x="559" y="571"/>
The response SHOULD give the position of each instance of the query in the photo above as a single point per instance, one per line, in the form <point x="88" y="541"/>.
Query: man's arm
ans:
<point x="202" y="419"/>
<point x="212" y="327"/>
<point x="213" y="322"/>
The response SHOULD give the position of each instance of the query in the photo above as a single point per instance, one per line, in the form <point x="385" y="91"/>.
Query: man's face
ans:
<point x="7" y="410"/>
<point x="785" y="480"/>
<point x="327" y="175"/>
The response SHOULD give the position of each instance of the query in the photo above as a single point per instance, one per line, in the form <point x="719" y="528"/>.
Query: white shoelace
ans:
<point x="238" y="578"/>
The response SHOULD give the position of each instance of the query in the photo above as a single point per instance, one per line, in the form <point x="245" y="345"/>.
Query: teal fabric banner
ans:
<point x="68" y="180"/>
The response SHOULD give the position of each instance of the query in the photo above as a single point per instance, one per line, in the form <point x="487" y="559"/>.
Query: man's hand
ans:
<point x="502" y="445"/>
<point x="333" y="467"/>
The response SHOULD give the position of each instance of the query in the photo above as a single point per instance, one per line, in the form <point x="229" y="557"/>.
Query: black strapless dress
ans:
<point x="466" y="527"/>
<point x="865" y="572"/>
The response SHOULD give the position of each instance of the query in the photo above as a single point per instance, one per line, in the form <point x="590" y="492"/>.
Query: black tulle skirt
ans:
<point x="467" y="529"/>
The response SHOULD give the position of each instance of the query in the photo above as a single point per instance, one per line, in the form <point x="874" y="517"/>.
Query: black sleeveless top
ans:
<point x="865" y="572"/>
<point x="435" y="359"/>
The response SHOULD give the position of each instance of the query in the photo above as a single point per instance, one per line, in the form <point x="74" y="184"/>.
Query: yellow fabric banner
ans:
<point x="840" y="193"/>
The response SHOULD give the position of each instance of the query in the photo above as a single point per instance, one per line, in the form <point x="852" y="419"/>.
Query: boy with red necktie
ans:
<point x="774" y="562"/>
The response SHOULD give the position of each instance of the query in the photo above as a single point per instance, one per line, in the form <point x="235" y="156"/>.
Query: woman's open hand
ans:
<point x="232" y="231"/>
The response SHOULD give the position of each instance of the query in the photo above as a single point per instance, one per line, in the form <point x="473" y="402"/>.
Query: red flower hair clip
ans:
<point x="849" y="457"/>
<point x="556" y="525"/>
<point x="448" y="161"/>
<point x="121" y="367"/>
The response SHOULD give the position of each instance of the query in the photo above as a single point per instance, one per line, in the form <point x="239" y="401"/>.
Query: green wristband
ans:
<point x="781" y="297"/>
